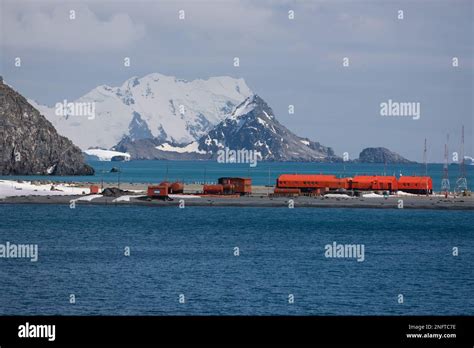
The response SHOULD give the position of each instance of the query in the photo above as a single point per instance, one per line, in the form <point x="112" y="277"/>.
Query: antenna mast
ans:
<point x="425" y="159"/>
<point x="445" y="182"/>
<point x="461" y="183"/>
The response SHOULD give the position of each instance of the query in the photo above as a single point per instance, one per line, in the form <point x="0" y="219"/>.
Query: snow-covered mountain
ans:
<point x="162" y="117"/>
<point x="253" y="126"/>
<point x="155" y="106"/>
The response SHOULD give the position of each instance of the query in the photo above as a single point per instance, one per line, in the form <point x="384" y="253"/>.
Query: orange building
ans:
<point x="158" y="191"/>
<point x="213" y="189"/>
<point x="242" y="186"/>
<point x="310" y="183"/>
<point x="416" y="184"/>
<point x="374" y="183"/>
<point x="94" y="189"/>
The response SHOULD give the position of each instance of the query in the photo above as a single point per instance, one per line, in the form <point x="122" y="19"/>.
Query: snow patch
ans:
<point x="126" y="198"/>
<point x="242" y="109"/>
<point x="262" y="122"/>
<point x="50" y="170"/>
<point x="372" y="195"/>
<point x="10" y="188"/>
<point x="306" y="142"/>
<point x="86" y="198"/>
<point x="335" y="195"/>
<point x="402" y="193"/>
<point x="190" y="148"/>
<point x="183" y="196"/>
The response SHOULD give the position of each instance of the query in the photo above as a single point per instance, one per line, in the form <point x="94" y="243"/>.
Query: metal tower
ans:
<point x="461" y="183"/>
<point x="425" y="159"/>
<point x="445" y="186"/>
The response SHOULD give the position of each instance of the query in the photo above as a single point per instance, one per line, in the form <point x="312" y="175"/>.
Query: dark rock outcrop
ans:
<point x="118" y="158"/>
<point x="138" y="128"/>
<point x="29" y="144"/>
<point x="114" y="192"/>
<point x="381" y="155"/>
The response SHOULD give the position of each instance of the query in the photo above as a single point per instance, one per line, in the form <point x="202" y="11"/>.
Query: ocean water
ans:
<point x="264" y="173"/>
<point x="191" y="252"/>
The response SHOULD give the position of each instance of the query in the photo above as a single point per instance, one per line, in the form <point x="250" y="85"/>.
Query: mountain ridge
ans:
<point x="252" y="126"/>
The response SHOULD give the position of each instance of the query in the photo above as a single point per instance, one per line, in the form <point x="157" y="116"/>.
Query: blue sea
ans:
<point x="265" y="173"/>
<point x="191" y="252"/>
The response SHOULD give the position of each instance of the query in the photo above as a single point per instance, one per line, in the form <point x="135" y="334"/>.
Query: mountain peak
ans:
<point x="155" y="105"/>
<point x="253" y="126"/>
<point x="156" y="76"/>
<point x="257" y="100"/>
<point x="253" y="102"/>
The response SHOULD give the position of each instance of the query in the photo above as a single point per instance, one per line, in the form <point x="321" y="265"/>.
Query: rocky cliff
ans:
<point x="29" y="144"/>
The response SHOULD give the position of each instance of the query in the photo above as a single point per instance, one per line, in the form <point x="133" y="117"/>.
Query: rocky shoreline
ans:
<point x="419" y="202"/>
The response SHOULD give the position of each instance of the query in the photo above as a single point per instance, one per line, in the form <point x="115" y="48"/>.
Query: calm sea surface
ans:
<point x="191" y="252"/>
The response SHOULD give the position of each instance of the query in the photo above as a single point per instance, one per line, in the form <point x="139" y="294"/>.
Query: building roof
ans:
<point x="305" y="177"/>
<point x="379" y="178"/>
<point x="414" y="178"/>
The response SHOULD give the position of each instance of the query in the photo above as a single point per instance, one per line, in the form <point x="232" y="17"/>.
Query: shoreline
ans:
<point x="431" y="203"/>
<point x="23" y="193"/>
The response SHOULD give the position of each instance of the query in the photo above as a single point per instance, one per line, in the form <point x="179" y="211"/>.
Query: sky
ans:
<point x="287" y="61"/>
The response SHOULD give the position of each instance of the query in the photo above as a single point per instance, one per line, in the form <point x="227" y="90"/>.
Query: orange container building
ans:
<point x="94" y="189"/>
<point x="241" y="186"/>
<point x="158" y="191"/>
<point x="213" y="189"/>
<point x="320" y="183"/>
<point x="286" y="191"/>
<point x="310" y="183"/>
<point x="177" y="187"/>
<point x="415" y="184"/>
<point x="374" y="183"/>
<point x="229" y="189"/>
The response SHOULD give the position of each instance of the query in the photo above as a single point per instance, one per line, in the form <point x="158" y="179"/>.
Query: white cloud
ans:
<point x="52" y="28"/>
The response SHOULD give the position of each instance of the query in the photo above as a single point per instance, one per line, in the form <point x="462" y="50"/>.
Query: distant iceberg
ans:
<point x="469" y="160"/>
